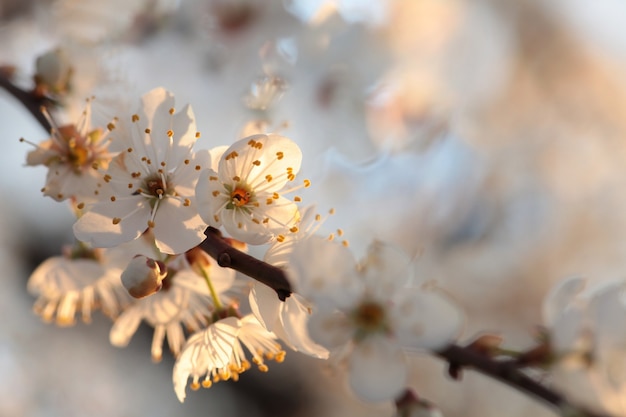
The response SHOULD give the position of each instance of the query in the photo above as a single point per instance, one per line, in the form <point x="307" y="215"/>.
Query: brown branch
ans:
<point x="229" y="257"/>
<point x="509" y="373"/>
<point x="32" y="102"/>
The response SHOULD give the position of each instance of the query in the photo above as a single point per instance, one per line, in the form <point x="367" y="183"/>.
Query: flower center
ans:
<point x="240" y="197"/>
<point x="369" y="317"/>
<point x="156" y="186"/>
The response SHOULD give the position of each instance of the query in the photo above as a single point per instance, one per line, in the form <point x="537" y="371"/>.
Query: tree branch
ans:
<point x="509" y="373"/>
<point x="229" y="257"/>
<point x="30" y="101"/>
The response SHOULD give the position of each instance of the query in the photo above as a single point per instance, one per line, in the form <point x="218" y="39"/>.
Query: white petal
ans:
<point x="265" y="305"/>
<point x="386" y="268"/>
<point x="295" y="317"/>
<point x="177" y="228"/>
<point x="210" y="206"/>
<point x="330" y="329"/>
<point x="333" y="282"/>
<point x="275" y="155"/>
<point x="378" y="369"/>
<point x="239" y="225"/>
<point x="608" y="313"/>
<point x="96" y="226"/>
<point x="424" y="319"/>
<point x="124" y="328"/>
<point x="560" y="297"/>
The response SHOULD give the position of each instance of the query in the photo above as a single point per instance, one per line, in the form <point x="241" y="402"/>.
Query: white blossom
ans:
<point x="71" y="155"/>
<point x="152" y="182"/>
<point x="80" y="281"/>
<point x="367" y="315"/>
<point x="217" y="353"/>
<point x="244" y="195"/>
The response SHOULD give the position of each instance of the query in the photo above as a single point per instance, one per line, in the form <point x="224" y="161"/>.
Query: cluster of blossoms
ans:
<point x="143" y="197"/>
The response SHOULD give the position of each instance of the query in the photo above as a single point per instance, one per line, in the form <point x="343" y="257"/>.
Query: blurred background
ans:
<point x="485" y="138"/>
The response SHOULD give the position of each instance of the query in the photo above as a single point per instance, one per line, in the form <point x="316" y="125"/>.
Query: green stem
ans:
<point x="216" y="300"/>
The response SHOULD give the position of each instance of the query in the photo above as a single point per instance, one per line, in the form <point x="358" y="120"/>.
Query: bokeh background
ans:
<point x="485" y="138"/>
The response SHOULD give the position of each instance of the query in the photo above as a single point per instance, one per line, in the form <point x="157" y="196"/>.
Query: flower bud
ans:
<point x="143" y="276"/>
<point x="410" y="405"/>
<point x="53" y="72"/>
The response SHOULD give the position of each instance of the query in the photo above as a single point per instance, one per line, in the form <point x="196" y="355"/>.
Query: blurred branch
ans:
<point x="458" y="357"/>
<point x="32" y="102"/>
<point x="508" y="372"/>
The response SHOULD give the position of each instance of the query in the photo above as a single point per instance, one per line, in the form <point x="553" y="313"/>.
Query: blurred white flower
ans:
<point x="82" y="280"/>
<point x="72" y="154"/>
<point x="367" y="314"/>
<point x="93" y="21"/>
<point x="217" y="353"/>
<point x="152" y="182"/>
<point x="184" y="300"/>
<point x="243" y="195"/>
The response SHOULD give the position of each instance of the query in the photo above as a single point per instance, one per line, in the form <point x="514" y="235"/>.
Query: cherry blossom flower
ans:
<point x="152" y="182"/>
<point x="184" y="299"/>
<point x="71" y="154"/>
<point x="366" y="313"/>
<point x="217" y="353"/>
<point x="244" y="194"/>
<point x="82" y="280"/>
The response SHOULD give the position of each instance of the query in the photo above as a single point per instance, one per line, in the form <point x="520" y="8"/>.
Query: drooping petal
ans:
<point x="124" y="328"/>
<point x="294" y="318"/>
<point x="265" y="305"/>
<point x="378" y="369"/>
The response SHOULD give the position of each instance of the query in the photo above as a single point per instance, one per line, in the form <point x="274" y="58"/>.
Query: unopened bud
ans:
<point x="54" y="72"/>
<point x="143" y="276"/>
<point x="410" y="405"/>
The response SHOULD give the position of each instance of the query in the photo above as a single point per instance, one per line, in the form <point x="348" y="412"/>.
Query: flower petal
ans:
<point x="177" y="228"/>
<point x="210" y="197"/>
<point x="265" y="305"/>
<point x="294" y="318"/>
<point x="378" y="369"/>
<point x="424" y="319"/>
<point x="97" y="228"/>
<point x="124" y="328"/>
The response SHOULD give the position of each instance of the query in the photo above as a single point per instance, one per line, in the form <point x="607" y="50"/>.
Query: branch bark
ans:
<point x="30" y="101"/>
